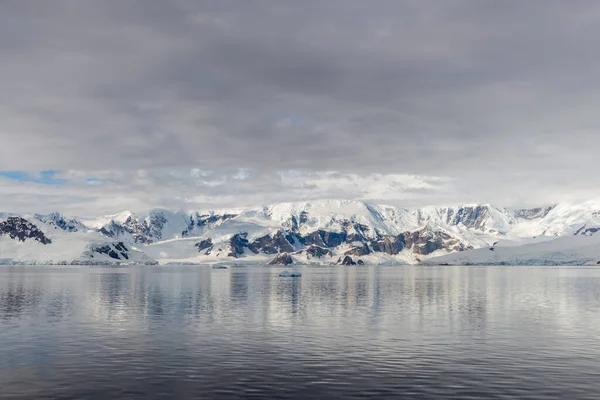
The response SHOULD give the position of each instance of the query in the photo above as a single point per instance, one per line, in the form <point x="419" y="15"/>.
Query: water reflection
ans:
<point x="447" y="332"/>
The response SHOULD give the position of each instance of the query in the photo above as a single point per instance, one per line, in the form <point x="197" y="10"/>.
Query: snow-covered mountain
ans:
<point x="321" y="232"/>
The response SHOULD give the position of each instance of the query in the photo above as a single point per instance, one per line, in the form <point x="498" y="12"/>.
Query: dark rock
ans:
<point x="294" y="223"/>
<point x="20" y="229"/>
<point x="425" y="241"/>
<point x="121" y="246"/>
<point x="389" y="244"/>
<point x="313" y="238"/>
<point x="59" y="220"/>
<point x="238" y="242"/>
<point x="206" y="221"/>
<point x="472" y="217"/>
<point x="273" y="245"/>
<point x="118" y="251"/>
<point x="205" y="244"/>
<point x="303" y="217"/>
<point x="324" y="239"/>
<point x="586" y="231"/>
<point x="140" y="232"/>
<point x="359" y="251"/>
<point x="348" y="261"/>
<point x="318" y="252"/>
<point x="360" y="262"/>
<point x="282" y="259"/>
<point x="334" y="239"/>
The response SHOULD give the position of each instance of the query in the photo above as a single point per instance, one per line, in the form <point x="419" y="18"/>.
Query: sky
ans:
<point x="108" y="105"/>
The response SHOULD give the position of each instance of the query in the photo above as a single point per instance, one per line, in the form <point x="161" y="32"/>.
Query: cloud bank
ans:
<point x="407" y="102"/>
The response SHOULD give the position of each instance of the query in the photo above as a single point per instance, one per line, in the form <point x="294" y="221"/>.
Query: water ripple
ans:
<point x="191" y="332"/>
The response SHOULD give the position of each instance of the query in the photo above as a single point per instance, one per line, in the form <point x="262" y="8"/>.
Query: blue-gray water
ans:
<point x="194" y="332"/>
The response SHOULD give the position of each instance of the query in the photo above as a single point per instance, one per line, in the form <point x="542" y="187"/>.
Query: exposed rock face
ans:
<point x="278" y="243"/>
<point x="139" y="231"/>
<point x="238" y="242"/>
<point x="18" y="228"/>
<point x="203" y="221"/>
<point x="282" y="259"/>
<point x="585" y="231"/>
<point x="61" y="222"/>
<point x="318" y="252"/>
<point x="533" y="213"/>
<point x="118" y="251"/>
<point x="425" y="241"/>
<point x="273" y="244"/>
<point x="389" y="244"/>
<point x="359" y="235"/>
<point x="471" y="217"/>
<point x="313" y="239"/>
<point x="155" y="226"/>
<point x="205" y="244"/>
<point x="360" y="262"/>
<point x="359" y="251"/>
<point x="320" y="243"/>
<point x="324" y="239"/>
<point x="348" y="261"/>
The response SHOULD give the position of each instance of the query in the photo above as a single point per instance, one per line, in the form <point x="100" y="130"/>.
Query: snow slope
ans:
<point x="67" y="246"/>
<point x="319" y="232"/>
<point x="564" y="250"/>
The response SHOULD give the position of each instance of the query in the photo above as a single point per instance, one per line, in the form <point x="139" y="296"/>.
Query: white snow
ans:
<point x="516" y="238"/>
<point x="565" y="250"/>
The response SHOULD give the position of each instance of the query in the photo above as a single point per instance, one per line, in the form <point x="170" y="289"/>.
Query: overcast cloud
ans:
<point x="187" y="103"/>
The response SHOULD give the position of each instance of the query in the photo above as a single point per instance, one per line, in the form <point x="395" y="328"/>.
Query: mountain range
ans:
<point x="313" y="232"/>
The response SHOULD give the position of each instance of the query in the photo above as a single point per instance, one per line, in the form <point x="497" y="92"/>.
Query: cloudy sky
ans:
<point x="109" y="105"/>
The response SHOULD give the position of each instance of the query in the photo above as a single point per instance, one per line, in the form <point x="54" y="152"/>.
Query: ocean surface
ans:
<point x="341" y="332"/>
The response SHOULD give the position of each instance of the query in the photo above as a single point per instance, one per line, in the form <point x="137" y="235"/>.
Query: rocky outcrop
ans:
<point x="359" y="251"/>
<point x="140" y="232"/>
<point x="18" y="228"/>
<point x="60" y="221"/>
<point x="318" y="252"/>
<point x="117" y="251"/>
<point x="471" y="217"/>
<point x="585" y="231"/>
<point x="282" y="259"/>
<point x="237" y="244"/>
<point x="204" y="245"/>
<point x="533" y="213"/>
<point x="204" y="221"/>
<point x="324" y="238"/>
<point x="321" y="243"/>
<point x="425" y="241"/>
<point x="346" y="261"/>
<point x="273" y="244"/>
<point x="389" y="244"/>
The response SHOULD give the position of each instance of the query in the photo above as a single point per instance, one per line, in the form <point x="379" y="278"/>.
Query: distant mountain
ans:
<point x="319" y="232"/>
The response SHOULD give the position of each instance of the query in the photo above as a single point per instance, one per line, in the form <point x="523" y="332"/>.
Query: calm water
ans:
<point x="194" y="332"/>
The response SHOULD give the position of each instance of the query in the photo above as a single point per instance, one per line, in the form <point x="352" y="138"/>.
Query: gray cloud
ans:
<point x="489" y="95"/>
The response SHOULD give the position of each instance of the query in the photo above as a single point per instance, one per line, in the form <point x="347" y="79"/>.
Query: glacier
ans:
<point x="323" y="232"/>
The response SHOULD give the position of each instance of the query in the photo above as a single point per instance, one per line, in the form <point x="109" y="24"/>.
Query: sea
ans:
<point x="409" y="332"/>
